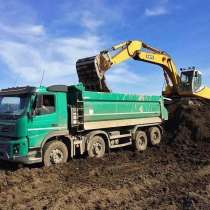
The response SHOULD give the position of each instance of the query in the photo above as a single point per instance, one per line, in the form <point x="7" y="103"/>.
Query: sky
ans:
<point x="48" y="36"/>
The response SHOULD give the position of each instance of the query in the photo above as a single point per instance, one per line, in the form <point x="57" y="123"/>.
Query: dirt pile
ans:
<point x="189" y="123"/>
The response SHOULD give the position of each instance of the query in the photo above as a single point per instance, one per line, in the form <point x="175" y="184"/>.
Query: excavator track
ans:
<point x="91" y="74"/>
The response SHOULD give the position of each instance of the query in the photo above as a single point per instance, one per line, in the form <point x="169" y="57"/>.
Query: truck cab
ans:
<point x="28" y="116"/>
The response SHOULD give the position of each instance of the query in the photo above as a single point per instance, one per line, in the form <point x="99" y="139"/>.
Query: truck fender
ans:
<point x="94" y="133"/>
<point x="55" y="134"/>
<point x="161" y="129"/>
<point x="133" y="132"/>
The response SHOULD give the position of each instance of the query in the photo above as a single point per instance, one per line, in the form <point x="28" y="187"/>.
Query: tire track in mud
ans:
<point x="156" y="179"/>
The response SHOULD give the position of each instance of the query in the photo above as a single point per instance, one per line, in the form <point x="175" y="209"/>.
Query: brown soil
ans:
<point x="175" y="175"/>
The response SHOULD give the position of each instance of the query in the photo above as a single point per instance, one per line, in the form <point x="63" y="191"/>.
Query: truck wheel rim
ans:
<point x="56" y="156"/>
<point x="155" y="135"/>
<point x="141" y="141"/>
<point x="97" y="149"/>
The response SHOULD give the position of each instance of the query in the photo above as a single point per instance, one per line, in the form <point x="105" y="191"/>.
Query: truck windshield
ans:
<point x="14" y="105"/>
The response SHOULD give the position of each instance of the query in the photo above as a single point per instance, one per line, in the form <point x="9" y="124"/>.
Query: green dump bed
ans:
<point x="103" y="110"/>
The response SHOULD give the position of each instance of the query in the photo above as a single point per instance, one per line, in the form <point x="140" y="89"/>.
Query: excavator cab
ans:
<point x="191" y="80"/>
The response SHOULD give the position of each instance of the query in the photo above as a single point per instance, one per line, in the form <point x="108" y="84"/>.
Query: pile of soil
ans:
<point x="189" y="123"/>
<point x="174" y="175"/>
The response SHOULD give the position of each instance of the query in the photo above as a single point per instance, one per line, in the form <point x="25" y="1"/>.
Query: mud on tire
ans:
<point x="54" y="152"/>
<point x="154" y="135"/>
<point x="140" y="141"/>
<point x="96" y="147"/>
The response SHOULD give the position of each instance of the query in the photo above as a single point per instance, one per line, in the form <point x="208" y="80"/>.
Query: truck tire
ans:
<point x="55" y="152"/>
<point x="155" y="136"/>
<point x="96" y="147"/>
<point x="140" y="142"/>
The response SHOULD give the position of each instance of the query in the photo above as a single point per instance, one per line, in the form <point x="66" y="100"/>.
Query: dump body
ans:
<point x="102" y="110"/>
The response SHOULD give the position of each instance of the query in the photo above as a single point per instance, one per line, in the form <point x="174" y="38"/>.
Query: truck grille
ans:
<point x="6" y="128"/>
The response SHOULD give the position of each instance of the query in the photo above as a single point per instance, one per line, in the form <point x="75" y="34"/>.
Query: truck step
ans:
<point x="120" y="136"/>
<point x="121" y="145"/>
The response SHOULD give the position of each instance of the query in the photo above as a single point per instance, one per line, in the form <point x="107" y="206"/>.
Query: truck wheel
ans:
<point x="154" y="135"/>
<point x="96" y="147"/>
<point x="55" y="152"/>
<point x="140" y="141"/>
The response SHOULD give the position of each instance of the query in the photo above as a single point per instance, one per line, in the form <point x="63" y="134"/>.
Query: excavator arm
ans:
<point x="95" y="67"/>
<point x="142" y="52"/>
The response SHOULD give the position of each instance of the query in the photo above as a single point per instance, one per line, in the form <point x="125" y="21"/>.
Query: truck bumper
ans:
<point x="17" y="151"/>
<point x="19" y="159"/>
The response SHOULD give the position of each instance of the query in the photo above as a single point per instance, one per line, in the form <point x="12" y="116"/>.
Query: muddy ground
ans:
<point x="175" y="175"/>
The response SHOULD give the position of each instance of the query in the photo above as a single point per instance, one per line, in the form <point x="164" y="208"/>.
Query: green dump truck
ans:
<point x="53" y="124"/>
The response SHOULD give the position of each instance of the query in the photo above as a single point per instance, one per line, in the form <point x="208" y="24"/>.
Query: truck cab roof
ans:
<point x="18" y="90"/>
<point x="58" y="88"/>
<point x="42" y="89"/>
<point x="30" y="90"/>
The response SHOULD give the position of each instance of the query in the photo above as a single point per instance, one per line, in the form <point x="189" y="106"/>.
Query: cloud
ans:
<point x="27" y="48"/>
<point x="57" y="56"/>
<point x="156" y="11"/>
<point x="122" y="75"/>
<point x="91" y="14"/>
<point x="159" y="9"/>
<point x="90" y="21"/>
<point x="123" y="79"/>
<point x="31" y="30"/>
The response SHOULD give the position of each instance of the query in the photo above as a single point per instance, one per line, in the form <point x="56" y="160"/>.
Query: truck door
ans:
<point x="44" y="119"/>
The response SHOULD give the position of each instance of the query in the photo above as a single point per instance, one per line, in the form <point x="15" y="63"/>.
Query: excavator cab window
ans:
<point x="191" y="80"/>
<point x="197" y="81"/>
<point x="186" y="81"/>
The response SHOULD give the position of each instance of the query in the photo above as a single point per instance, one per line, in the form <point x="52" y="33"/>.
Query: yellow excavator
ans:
<point x="186" y="85"/>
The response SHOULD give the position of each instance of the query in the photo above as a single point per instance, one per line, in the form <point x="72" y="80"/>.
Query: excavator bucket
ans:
<point x="91" y="71"/>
